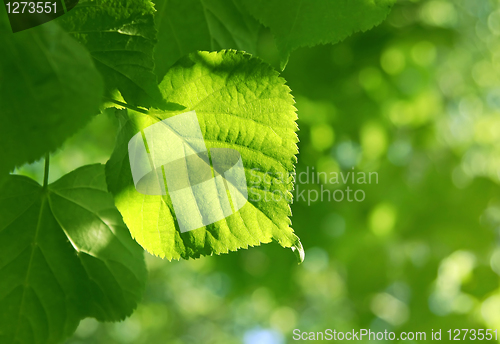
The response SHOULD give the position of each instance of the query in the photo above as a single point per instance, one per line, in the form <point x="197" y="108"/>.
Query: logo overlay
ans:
<point x="205" y="186"/>
<point x="27" y="14"/>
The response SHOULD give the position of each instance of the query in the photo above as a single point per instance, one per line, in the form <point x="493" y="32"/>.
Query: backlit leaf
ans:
<point x="241" y="103"/>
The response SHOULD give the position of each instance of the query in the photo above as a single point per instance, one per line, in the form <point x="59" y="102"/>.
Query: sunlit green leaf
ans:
<point x="241" y="103"/>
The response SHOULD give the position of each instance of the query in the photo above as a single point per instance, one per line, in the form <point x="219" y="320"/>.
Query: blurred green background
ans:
<point x="416" y="100"/>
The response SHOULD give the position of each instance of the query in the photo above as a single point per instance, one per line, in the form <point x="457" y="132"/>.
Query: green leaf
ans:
<point x="49" y="89"/>
<point x="65" y="254"/>
<point x="3" y="177"/>
<point x="298" y="23"/>
<point x="120" y="35"/>
<point x="241" y="103"/>
<point x="185" y="26"/>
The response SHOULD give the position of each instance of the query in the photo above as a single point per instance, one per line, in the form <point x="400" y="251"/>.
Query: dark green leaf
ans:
<point x="49" y="88"/>
<point x="120" y="36"/>
<point x="185" y="26"/>
<point x="298" y="23"/>
<point x="65" y="254"/>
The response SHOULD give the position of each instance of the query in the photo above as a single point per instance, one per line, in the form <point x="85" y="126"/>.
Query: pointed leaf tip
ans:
<point x="299" y="252"/>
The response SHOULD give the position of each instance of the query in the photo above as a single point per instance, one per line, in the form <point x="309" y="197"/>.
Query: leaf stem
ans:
<point x="125" y="105"/>
<point x="46" y="172"/>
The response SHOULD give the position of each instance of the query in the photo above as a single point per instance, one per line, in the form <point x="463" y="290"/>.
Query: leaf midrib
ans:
<point x="28" y="271"/>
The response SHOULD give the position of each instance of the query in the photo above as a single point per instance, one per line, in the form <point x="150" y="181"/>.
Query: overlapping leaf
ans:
<point x="299" y="23"/>
<point x="49" y="88"/>
<point x="185" y="26"/>
<point x="65" y="254"/>
<point x="241" y="103"/>
<point x="120" y="35"/>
